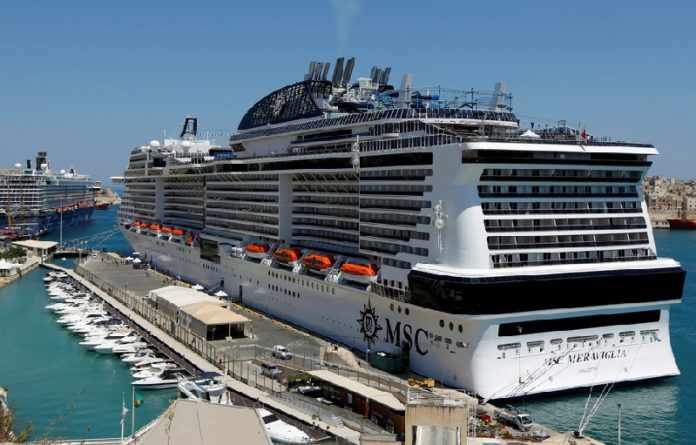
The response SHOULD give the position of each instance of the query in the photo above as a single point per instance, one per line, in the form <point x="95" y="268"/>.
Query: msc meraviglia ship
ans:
<point x="40" y="200"/>
<point x="422" y="222"/>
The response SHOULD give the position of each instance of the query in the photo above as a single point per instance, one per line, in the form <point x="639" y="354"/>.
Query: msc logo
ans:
<point x="369" y="324"/>
<point x="401" y="336"/>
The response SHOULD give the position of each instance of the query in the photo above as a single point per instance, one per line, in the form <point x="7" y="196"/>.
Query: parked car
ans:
<point x="270" y="370"/>
<point x="281" y="352"/>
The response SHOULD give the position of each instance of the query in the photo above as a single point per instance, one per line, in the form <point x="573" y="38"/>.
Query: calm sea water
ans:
<point x="48" y="371"/>
<point x="661" y="412"/>
<point x="50" y="375"/>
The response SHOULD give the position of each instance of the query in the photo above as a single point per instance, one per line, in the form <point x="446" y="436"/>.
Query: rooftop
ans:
<point x="378" y="396"/>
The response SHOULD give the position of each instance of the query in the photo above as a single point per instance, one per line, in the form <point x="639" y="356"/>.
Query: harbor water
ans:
<point x="51" y="376"/>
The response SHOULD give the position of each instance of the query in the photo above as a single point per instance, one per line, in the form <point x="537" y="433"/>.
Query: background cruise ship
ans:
<point x="422" y="222"/>
<point x="39" y="200"/>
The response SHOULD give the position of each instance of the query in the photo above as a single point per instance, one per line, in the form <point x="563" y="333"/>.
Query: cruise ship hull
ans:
<point x="50" y="222"/>
<point x="461" y="351"/>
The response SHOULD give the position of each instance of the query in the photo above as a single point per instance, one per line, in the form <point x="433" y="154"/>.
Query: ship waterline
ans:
<point x="502" y="262"/>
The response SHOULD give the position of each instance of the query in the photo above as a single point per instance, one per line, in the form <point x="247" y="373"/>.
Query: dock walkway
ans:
<point x="201" y="364"/>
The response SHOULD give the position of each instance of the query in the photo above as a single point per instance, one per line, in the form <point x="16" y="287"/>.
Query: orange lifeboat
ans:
<point x="287" y="257"/>
<point x="135" y="225"/>
<point x="257" y="250"/>
<point x="318" y="263"/>
<point x="177" y="232"/>
<point x="144" y="227"/>
<point x="166" y="230"/>
<point x="190" y="239"/>
<point x="360" y="273"/>
<point x="155" y="227"/>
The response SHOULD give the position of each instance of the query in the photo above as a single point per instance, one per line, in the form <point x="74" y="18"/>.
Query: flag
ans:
<point x="584" y="135"/>
<point x="124" y="411"/>
<point x="137" y="399"/>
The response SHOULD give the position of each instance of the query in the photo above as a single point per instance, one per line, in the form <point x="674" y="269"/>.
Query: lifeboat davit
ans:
<point x="360" y="273"/>
<point x="287" y="257"/>
<point x="257" y="251"/>
<point x="318" y="263"/>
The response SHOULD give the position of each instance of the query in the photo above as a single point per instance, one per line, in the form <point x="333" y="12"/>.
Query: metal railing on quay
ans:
<point x="235" y="360"/>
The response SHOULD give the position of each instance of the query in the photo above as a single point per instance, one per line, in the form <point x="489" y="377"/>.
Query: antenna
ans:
<point x="348" y="71"/>
<point x="317" y="73"/>
<point x="327" y="65"/>
<point x="338" y="72"/>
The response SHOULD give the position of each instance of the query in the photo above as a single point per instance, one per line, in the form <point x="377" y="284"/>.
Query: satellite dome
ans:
<point x="186" y="144"/>
<point x="44" y="166"/>
<point x="62" y="172"/>
<point x="154" y="144"/>
<point x="18" y="166"/>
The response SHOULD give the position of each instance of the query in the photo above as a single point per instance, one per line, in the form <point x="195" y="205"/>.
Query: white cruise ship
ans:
<point x="422" y="222"/>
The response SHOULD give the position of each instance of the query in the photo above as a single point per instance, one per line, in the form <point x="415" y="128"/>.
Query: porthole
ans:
<point x="451" y="326"/>
<point x="407" y="310"/>
<point x="442" y="323"/>
<point x="399" y="309"/>
<point x="391" y="307"/>
<point x="460" y="328"/>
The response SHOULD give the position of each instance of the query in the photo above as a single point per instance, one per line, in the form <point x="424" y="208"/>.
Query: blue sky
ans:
<point x="89" y="80"/>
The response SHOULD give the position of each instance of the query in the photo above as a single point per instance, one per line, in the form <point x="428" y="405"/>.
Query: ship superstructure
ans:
<point x="422" y="222"/>
<point x="39" y="200"/>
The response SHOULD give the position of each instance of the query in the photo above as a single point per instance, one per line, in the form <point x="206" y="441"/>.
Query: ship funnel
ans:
<point x="348" y="71"/>
<point x="190" y="127"/>
<point x="338" y="72"/>
<point x="405" y="90"/>
<point x="498" y="98"/>
<point x="28" y="164"/>
<point x="41" y="159"/>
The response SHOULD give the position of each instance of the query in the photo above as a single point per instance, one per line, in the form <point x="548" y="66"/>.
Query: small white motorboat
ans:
<point x="208" y="386"/>
<point x="168" y="379"/>
<point x="282" y="432"/>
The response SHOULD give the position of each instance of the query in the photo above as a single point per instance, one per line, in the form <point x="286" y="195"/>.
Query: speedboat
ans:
<point x="147" y="364"/>
<point x="207" y="386"/>
<point x="129" y="348"/>
<point x="138" y="356"/>
<point x="282" y="432"/>
<point x="168" y="379"/>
